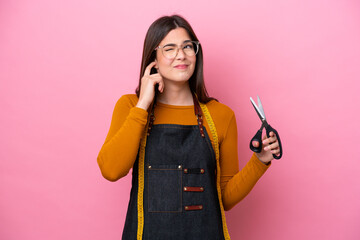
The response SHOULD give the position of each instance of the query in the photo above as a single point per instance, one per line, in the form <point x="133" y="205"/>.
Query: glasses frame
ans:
<point x="197" y="43"/>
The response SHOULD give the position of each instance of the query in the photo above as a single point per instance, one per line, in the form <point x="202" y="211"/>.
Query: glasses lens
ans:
<point x="189" y="48"/>
<point x="169" y="51"/>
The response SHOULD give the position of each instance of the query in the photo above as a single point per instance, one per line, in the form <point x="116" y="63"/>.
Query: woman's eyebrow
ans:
<point x="173" y="44"/>
<point x="170" y="44"/>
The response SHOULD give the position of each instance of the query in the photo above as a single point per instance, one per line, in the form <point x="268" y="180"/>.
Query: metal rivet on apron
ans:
<point x="202" y="170"/>
<point x="149" y="166"/>
<point x="186" y="207"/>
<point x="185" y="188"/>
<point x="185" y="170"/>
<point x="202" y="189"/>
<point x="179" y="166"/>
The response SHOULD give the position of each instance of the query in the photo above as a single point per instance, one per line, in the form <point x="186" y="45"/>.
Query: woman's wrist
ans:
<point x="264" y="162"/>
<point x="142" y="105"/>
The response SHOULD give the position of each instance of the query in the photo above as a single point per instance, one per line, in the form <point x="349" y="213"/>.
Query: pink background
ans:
<point x="64" y="64"/>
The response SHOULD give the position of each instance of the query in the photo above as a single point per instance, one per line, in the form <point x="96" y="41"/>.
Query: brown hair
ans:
<point x="155" y="34"/>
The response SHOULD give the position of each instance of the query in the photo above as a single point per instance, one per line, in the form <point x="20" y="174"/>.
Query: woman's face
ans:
<point x="181" y="67"/>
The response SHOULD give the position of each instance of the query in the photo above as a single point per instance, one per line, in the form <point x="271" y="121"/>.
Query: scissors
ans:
<point x="260" y="111"/>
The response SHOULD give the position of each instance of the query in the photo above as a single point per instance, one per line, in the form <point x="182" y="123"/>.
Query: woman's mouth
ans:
<point x="181" y="66"/>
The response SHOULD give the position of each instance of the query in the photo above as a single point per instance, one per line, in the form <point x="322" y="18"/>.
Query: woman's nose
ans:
<point x="181" y="54"/>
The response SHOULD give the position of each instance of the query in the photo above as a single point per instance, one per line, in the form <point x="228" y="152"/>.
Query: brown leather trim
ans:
<point x="194" y="170"/>
<point x="198" y="113"/>
<point x="151" y="118"/>
<point x="193" y="189"/>
<point x="193" y="207"/>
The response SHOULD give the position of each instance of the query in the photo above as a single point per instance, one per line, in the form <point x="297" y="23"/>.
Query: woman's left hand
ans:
<point x="270" y="146"/>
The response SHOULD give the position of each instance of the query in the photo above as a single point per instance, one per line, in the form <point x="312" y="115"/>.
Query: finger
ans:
<point x="267" y="148"/>
<point x="264" y="137"/>
<point x="148" y="68"/>
<point x="272" y="146"/>
<point x="270" y="140"/>
<point x="161" y="86"/>
<point x="276" y="151"/>
<point x="273" y="135"/>
<point x="156" y="77"/>
<point x="255" y="143"/>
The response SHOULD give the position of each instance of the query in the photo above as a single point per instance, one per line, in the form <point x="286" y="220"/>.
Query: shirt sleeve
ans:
<point x="118" y="154"/>
<point x="235" y="184"/>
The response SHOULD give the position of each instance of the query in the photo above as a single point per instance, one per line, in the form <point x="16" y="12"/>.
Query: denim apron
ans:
<point x="180" y="200"/>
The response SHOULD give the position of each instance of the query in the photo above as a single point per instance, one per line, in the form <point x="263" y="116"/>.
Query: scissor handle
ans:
<point x="270" y="129"/>
<point x="257" y="138"/>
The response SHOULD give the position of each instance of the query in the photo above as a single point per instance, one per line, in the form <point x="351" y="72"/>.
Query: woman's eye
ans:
<point x="188" y="46"/>
<point x="168" y="49"/>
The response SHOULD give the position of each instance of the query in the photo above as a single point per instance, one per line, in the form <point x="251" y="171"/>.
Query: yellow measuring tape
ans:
<point x="217" y="155"/>
<point x="140" y="196"/>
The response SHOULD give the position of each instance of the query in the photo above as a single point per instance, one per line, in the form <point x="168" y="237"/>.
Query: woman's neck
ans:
<point x="176" y="94"/>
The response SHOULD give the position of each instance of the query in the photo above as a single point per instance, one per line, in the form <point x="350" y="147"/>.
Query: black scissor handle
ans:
<point x="270" y="129"/>
<point x="257" y="138"/>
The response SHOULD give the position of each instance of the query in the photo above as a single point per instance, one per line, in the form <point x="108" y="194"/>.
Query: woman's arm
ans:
<point x="235" y="184"/>
<point x="118" y="154"/>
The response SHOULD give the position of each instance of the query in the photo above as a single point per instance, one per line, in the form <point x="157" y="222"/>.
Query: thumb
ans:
<point x="255" y="143"/>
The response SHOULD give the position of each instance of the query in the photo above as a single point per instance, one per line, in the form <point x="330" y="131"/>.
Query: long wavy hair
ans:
<point x="155" y="34"/>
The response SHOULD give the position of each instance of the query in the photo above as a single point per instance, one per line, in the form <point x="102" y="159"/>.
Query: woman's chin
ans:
<point x="180" y="77"/>
<point x="177" y="80"/>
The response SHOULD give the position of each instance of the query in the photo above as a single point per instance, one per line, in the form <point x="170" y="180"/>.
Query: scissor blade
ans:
<point x="257" y="109"/>
<point x="261" y="107"/>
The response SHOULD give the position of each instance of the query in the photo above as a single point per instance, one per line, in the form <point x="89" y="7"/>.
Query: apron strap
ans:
<point x="199" y="114"/>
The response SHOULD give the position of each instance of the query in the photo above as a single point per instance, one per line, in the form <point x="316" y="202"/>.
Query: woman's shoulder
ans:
<point x="219" y="109"/>
<point x="223" y="117"/>
<point x="128" y="100"/>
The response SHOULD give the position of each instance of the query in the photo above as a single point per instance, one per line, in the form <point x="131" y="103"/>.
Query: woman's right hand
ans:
<point x="147" y="89"/>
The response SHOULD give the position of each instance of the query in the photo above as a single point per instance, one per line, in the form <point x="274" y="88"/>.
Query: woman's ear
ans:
<point x="155" y="68"/>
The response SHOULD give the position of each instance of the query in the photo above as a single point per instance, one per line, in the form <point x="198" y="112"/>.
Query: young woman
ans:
<point x="180" y="143"/>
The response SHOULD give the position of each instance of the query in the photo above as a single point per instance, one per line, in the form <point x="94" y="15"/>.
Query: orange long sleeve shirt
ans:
<point x="119" y="152"/>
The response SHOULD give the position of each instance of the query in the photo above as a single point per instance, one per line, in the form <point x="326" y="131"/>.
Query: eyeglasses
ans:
<point x="170" y="51"/>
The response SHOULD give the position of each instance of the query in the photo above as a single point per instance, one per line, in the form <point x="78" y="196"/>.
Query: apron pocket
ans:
<point x="164" y="188"/>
